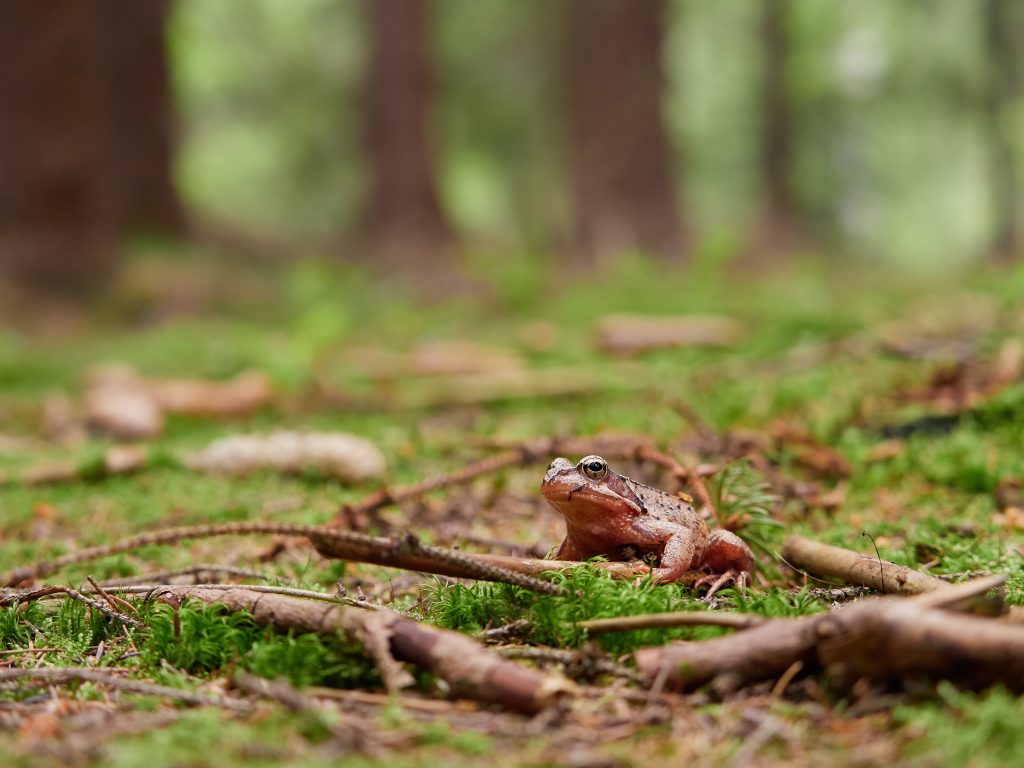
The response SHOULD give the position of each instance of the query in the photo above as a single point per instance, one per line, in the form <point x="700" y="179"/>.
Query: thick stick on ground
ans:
<point x="855" y="568"/>
<point x="879" y="639"/>
<point x="467" y="667"/>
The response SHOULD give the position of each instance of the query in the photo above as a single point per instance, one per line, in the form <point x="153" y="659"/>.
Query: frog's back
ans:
<point x="664" y="506"/>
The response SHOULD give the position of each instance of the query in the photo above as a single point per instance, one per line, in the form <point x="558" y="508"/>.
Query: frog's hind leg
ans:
<point x="729" y="559"/>
<point x="727" y="552"/>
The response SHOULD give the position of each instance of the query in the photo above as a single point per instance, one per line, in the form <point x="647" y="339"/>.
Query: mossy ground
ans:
<point x="809" y="357"/>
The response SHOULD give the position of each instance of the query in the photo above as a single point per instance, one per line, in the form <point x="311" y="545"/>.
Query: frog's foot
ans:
<point x="739" y="579"/>
<point x="661" y="575"/>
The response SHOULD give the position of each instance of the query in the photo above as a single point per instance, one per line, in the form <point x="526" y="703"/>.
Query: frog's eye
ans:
<point x="594" y="467"/>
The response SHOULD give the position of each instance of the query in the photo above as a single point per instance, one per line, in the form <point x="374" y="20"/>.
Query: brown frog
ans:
<point x="608" y="514"/>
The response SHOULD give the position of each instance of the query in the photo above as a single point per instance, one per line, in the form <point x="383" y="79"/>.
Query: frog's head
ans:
<point x="588" y="490"/>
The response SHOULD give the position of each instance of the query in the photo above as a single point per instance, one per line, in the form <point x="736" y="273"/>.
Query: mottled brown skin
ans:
<point x="610" y="515"/>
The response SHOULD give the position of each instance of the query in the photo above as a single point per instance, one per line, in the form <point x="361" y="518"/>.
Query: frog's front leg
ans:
<point x="728" y="558"/>
<point x="681" y="552"/>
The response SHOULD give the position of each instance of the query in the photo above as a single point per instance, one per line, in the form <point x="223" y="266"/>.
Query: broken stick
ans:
<point x="858" y="569"/>
<point x="470" y="670"/>
<point x="877" y="639"/>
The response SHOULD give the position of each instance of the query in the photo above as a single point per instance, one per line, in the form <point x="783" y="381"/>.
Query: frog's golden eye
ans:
<point x="594" y="467"/>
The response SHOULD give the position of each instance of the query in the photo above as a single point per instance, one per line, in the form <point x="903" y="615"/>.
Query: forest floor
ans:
<point x="834" y="405"/>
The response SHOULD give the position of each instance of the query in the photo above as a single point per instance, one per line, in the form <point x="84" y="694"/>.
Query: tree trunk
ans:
<point x="56" y="205"/>
<point x="1004" y="23"/>
<point x="779" y="229"/>
<point x="141" y="115"/>
<point x="404" y="215"/>
<point x="622" y="162"/>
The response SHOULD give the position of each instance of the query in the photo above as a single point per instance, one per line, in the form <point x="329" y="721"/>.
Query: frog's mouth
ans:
<point x="575" y="499"/>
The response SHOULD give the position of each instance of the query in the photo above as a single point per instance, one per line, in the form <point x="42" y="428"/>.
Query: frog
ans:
<point x="611" y="515"/>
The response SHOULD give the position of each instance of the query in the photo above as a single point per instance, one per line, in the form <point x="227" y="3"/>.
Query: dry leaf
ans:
<point x="808" y="452"/>
<point x="885" y="451"/>
<point x="122" y="403"/>
<point x="630" y="334"/>
<point x="1011" y="517"/>
<point x="247" y="392"/>
<point x="117" y="404"/>
<point x="346" y="457"/>
<point x="60" y="422"/>
<point x="118" y="460"/>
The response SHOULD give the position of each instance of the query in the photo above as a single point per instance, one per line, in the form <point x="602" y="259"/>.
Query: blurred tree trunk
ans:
<point x="622" y="162"/>
<point x="404" y="217"/>
<point x="57" y="212"/>
<point x="141" y="114"/>
<point x="1004" y="26"/>
<point x="779" y="229"/>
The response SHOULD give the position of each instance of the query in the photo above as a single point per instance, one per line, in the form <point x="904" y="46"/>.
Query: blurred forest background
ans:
<point x="397" y="131"/>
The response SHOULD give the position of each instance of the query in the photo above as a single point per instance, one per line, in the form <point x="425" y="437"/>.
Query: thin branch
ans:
<point x="173" y="536"/>
<point x="114" y="602"/>
<point x="672" y="619"/>
<point x="74" y="594"/>
<point x="160" y="577"/>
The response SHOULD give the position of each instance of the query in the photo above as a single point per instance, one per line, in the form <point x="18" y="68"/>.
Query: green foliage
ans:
<point x="198" y="638"/>
<point x="17" y="622"/>
<point x="743" y="493"/>
<point x="593" y="595"/>
<point x="977" y="729"/>
<point x="310" y="660"/>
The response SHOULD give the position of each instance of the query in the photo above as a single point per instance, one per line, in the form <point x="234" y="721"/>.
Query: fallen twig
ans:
<point x="160" y="577"/>
<point x="74" y="594"/>
<point x="672" y="619"/>
<point x="878" y="639"/>
<point x="114" y="602"/>
<point x="863" y="570"/>
<point x="51" y="675"/>
<point x="347" y="545"/>
<point x="171" y="536"/>
<point x="462" y="565"/>
<point x="467" y="667"/>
